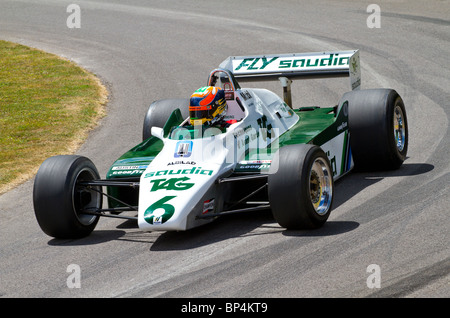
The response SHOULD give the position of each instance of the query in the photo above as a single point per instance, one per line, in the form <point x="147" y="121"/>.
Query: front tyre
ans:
<point x="59" y="199"/>
<point x="300" y="186"/>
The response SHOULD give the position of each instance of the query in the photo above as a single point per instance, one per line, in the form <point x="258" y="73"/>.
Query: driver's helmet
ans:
<point x="207" y="106"/>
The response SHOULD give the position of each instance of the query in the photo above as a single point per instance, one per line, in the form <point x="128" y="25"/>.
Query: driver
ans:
<point x="208" y="107"/>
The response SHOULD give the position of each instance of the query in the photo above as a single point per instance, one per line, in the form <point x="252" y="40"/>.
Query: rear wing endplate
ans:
<point x="296" y="66"/>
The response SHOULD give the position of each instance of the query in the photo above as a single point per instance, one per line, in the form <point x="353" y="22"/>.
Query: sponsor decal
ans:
<point x="228" y="117"/>
<point x="342" y="126"/>
<point x="331" y="60"/>
<point x="292" y="62"/>
<point x="354" y="66"/>
<point x="255" y="63"/>
<point x="208" y="206"/>
<point x="160" y="211"/>
<point x="177" y="184"/>
<point x="245" y="95"/>
<point x="356" y="84"/>
<point x="127" y="172"/>
<point x="183" y="149"/>
<point x="194" y="170"/>
<point x="259" y="167"/>
<point x="157" y="220"/>
<point x="246" y="162"/>
<point x="129" y="168"/>
<point x="286" y="111"/>
<point x="242" y="131"/>
<point x="181" y="162"/>
<point x="267" y="129"/>
<point x="253" y="165"/>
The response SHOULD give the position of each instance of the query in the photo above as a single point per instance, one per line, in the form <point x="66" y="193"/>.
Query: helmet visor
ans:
<point x="199" y="112"/>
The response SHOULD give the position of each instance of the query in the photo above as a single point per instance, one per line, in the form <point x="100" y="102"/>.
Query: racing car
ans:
<point x="273" y="156"/>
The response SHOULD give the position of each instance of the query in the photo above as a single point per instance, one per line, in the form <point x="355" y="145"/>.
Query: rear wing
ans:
<point x="296" y="66"/>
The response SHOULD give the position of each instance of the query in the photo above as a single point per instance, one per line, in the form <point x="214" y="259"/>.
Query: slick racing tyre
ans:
<point x="59" y="200"/>
<point x="159" y="112"/>
<point x="300" y="187"/>
<point x="378" y="129"/>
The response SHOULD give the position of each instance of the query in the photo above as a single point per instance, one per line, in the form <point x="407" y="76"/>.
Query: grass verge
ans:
<point x="47" y="107"/>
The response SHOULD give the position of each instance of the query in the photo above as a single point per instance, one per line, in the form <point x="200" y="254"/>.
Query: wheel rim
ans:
<point x="320" y="186"/>
<point x="85" y="198"/>
<point x="399" y="129"/>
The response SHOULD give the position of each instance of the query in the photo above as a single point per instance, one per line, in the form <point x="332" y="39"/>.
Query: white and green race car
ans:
<point x="273" y="156"/>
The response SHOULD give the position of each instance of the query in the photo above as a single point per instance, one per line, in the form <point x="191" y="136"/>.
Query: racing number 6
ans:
<point x="159" y="218"/>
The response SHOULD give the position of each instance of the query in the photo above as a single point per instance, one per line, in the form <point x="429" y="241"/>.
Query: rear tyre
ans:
<point x="59" y="199"/>
<point x="159" y="112"/>
<point x="300" y="186"/>
<point x="378" y="129"/>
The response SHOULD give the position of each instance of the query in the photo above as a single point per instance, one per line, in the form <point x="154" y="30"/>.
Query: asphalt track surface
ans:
<point x="148" y="50"/>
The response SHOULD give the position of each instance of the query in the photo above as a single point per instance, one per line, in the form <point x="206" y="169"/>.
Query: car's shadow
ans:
<point x="246" y="224"/>
<point x="355" y="182"/>
<point x="241" y="227"/>
<point x="263" y="223"/>
<point x="96" y="237"/>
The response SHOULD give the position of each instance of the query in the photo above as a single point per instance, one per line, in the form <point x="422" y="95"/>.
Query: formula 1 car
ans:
<point x="273" y="155"/>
